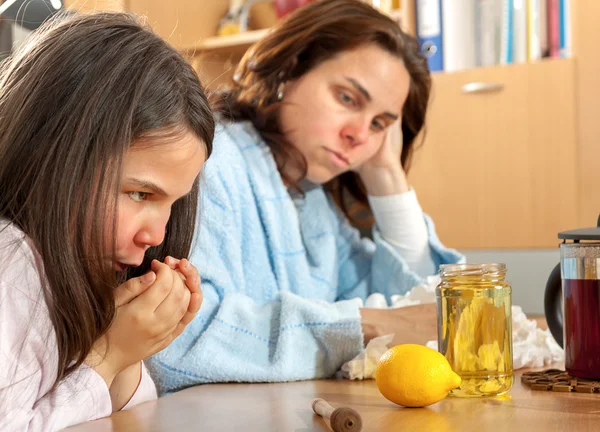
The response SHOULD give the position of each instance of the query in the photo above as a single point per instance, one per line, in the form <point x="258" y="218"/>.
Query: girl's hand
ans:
<point x="383" y="174"/>
<point x="192" y="280"/>
<point x="148" y="317"/>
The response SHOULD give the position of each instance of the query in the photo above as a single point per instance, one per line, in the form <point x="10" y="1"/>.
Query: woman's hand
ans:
<point x="383" y="174"/>
<point x="150" y="315"/>
<point x="410" y="324"/>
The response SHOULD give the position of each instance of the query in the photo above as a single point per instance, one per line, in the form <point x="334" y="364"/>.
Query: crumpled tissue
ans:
<point x="532" y="346"/>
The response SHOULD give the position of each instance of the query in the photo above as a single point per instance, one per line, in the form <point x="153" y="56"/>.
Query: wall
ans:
<point x="528" y="271"/>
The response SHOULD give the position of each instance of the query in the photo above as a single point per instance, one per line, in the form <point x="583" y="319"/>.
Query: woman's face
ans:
<point x="337" y="113"/>
<point x="153" y="178"/>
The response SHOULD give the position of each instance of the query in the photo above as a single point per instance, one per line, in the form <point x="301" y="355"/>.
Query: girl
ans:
<point x="103" y="131"/>
<point x="326" y="106"/>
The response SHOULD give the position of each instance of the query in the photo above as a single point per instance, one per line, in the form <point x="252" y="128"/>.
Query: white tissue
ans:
<point x="363" y="366"/>
<point x="532" y="346"/>
<point x="376" y="301"/>
<point x="422" y="293"/>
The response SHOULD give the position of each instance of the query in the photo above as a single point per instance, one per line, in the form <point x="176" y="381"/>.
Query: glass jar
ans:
<point x="475" y="327"/>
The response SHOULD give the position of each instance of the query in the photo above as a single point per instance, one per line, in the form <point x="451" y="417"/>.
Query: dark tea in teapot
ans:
<point x="575" y="321"/>
<point x="582" y="327"/>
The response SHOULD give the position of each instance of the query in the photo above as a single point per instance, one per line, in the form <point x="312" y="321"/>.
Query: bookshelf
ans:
<point x="88" y="6"/>
<point x="215" y="57"/>
<point x="228" y="43"/>
<point x="242" y="41"/>
<point x="464" y="34"/>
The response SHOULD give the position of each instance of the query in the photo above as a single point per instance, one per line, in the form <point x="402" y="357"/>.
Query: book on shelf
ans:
<point x="459" y="22"/>
<point x="430" y="32"/>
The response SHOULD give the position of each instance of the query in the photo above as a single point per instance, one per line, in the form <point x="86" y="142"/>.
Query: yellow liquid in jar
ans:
<point x="476" y="337"/>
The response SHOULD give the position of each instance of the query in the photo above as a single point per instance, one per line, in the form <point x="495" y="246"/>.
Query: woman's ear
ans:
<point x="288" y="71"/>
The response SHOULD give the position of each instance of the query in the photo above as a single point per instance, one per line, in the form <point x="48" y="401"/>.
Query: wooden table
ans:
<point x="286" y="407"/>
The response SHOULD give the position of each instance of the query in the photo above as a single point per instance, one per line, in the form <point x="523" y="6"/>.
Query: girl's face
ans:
<point x="153" y="178"/>
<point x="337" y="113"/>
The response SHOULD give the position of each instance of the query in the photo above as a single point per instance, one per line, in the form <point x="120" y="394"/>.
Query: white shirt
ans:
<point x="29" y="357"/>
<point x="400" y="221"/>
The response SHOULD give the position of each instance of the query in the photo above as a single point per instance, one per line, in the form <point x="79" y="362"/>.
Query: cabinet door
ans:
<point x="498" y="168"/>
<point x="586" y="33"/>
<point x="442" y="170"/>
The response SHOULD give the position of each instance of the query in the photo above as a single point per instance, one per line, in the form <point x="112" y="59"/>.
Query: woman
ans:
<point x="103" y="131"/>
<point x="327" y="105"/>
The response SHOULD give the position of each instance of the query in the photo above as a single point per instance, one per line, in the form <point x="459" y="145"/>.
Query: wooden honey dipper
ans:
<point x="343" y="419"/>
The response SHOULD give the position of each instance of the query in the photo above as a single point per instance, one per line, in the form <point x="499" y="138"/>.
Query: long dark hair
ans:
<point x="310" y="36"/>
<point x="72" y="101"/>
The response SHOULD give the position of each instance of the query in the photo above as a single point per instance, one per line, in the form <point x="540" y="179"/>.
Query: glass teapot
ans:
<point x="572" y="301"/>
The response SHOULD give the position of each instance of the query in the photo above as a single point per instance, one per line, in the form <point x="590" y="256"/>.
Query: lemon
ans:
<point x="415" y="376"/>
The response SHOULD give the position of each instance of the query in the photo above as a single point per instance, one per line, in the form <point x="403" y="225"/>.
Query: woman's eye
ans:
<point x="346" y="99"/>
<point x="377" y="125"/>
<point x="138" y="196"/>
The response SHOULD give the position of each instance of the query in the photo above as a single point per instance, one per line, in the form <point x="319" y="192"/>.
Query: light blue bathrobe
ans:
<point x="280" y="276"/>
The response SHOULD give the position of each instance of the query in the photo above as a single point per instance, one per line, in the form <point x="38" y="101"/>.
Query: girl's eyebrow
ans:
<point x="147" y="185"/>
